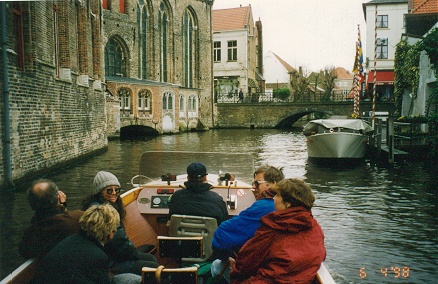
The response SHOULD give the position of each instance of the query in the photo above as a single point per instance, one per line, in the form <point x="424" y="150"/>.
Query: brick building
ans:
<point x="158" y="64"/>
<point x="78" y="71"/>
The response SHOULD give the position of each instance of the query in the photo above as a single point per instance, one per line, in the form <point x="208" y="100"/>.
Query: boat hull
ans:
<point x="337" y="145"/>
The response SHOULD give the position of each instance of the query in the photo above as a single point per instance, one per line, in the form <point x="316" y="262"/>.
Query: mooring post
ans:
<point x="390" y="135"/>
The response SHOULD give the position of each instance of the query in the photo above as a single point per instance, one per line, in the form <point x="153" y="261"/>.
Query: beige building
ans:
<point x="237" y="54"/>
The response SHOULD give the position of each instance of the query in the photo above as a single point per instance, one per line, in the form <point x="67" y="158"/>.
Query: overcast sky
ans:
<point x="311" y="33"/>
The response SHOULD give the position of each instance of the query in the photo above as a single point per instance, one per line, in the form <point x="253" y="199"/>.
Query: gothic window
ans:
<point x="188" y="48"/>
<point x="144" y="27"/>
<point x="163" y="41"/>
<point x="182" y="106"/>
<point x="193" y="106"/>
<point x="382" y="48"/>
<point x="232" y="50"/>
<point x="217" y="51"/>
<point x="382" y="21"/>
<point x="168" y="101"/>
<point x="114" y="59"/>
<point x="19" y="43"/>
<point x="144" y="101"/>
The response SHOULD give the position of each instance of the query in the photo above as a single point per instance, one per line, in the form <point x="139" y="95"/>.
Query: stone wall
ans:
<point x="57" y="114"/>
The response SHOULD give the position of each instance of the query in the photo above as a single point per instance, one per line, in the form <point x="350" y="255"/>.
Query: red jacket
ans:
<point x="288" y="248"/>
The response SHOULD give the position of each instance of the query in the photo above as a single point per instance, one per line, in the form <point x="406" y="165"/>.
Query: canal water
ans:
<point x="380" y="223"/>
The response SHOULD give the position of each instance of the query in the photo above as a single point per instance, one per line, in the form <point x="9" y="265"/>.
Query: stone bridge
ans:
<point x="284" y="115"/>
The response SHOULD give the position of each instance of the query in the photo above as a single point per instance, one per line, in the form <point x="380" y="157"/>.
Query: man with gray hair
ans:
<point x="51" y="222"/>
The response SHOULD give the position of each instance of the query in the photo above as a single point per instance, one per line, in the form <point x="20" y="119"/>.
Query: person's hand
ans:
<point x="231" y="261"/>
<point x="62" y="198"/>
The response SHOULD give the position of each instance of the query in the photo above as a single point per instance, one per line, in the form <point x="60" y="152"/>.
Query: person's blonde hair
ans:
<point x="296" y="192"/>
<point x="99" y="221"/>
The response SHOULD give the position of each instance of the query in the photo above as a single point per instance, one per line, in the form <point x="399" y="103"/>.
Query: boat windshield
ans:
<point x="157" y="164"/>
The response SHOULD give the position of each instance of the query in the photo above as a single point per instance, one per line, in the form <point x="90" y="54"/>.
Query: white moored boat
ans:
<point x="337" y="138"/>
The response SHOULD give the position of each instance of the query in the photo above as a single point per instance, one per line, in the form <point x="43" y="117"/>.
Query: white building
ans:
<point x="237" y="54"/>
<point x="276" y="72"/>
<point x="386" y="19"/>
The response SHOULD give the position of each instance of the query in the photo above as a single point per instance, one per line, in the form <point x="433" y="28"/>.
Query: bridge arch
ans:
<point x="137" y="132"/>
<point x="290" y="119"/>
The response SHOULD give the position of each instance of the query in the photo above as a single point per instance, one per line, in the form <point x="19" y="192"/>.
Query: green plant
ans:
<point x="282" y="93"/>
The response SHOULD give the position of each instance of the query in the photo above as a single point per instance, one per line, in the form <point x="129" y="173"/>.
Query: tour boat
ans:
<point x="337" y="138"/>
<point x="160" y="175"/>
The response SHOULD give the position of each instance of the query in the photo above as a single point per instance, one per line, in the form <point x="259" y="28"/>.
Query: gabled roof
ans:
<point x="232" y="19"/>
<point x="342" y="73"/>
<point x="424" y="6"/>
<point x="284" y="63"/>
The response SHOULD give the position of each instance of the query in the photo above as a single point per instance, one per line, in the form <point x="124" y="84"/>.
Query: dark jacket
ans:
<point x="47" y="228"/>
<point x="76" y="259"/>
<point x="287" y="248"/>
<point x="197" y="199"/>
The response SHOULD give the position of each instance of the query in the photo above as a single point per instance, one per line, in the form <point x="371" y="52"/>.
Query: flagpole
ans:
<point x="375" y="70"/>
<point x="357" y="75"/>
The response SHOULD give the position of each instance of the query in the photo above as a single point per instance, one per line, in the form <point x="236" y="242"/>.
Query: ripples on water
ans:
<point x="373" y="217"/>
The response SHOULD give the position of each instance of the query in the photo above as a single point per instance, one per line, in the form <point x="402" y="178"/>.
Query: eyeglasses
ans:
<point x="110" y="190"/>
<point x="256" y="183"/>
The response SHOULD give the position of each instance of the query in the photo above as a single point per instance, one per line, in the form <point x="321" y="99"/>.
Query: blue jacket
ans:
<point x="233" y="233"/>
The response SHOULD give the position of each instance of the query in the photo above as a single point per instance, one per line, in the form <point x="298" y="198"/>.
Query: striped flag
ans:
<point x="358" y="74"/>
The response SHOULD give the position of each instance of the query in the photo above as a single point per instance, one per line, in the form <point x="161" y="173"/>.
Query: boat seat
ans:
<point x="186" y="275"/>
<point x="193" y="226"/>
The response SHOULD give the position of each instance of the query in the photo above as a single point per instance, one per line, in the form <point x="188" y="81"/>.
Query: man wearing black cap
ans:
<point x="196" y="198"/>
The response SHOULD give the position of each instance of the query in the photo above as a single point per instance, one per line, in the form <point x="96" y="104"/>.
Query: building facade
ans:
<point x="237" y="54"/>
<point x="158" y="64"/>
<point x="385" y="25"/>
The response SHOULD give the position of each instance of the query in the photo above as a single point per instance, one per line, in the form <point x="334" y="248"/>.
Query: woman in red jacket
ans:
<point x="288" y="247"/>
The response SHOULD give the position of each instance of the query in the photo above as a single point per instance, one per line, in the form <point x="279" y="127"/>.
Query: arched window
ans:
<point x="144" y="101"/>
<point x="142" y="23"/>
<point x="168" y="101"/>
<point x="163" y="41"/>
<point x="114" y="59"/>
<point x="189" y="29"/>
<point x="193" y="106"/>
<point x="182" y="106"/>
<point x="125" y="101"/>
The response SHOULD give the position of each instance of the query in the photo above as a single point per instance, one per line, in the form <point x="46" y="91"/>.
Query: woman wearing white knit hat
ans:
<point x="126" y="258"/>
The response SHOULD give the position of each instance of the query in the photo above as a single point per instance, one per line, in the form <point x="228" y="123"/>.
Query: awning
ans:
<point x="382" y="77"/>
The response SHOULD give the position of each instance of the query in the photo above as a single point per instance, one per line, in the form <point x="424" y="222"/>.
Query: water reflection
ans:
<point x="373" y="217"/>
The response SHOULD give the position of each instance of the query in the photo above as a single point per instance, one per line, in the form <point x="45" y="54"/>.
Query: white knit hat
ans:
<point x="104" y="179"/>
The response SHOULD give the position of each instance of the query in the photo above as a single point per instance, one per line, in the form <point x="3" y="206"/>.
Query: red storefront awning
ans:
<point x="382" y="77"/>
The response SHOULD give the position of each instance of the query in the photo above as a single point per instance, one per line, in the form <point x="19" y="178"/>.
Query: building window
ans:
<point x="168" y="101"/>
<point x="232" y="50"/>
<point x="217" y="51"/>
<point x="182" y="106"/>
<point x="382" y="21"/>
<point x="114" y="59"/>
<point x="144" y="27"/>
<point x="106" y="4"/>
<point x="122" y="6"/>
<point x="125" y="101"/>
<point x="382" y="48"/>
<point x="19" y="43"/>
<point x="404" y="20"/>
<point x="163" y="41"/>
<point x="144" y="101"/>
<point x="188" y="48"/>
<point x="193" y="106"/>
<point x="56" y="38"/>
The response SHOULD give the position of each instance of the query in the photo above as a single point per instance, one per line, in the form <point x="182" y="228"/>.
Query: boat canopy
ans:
<point x="351" y="124"/>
